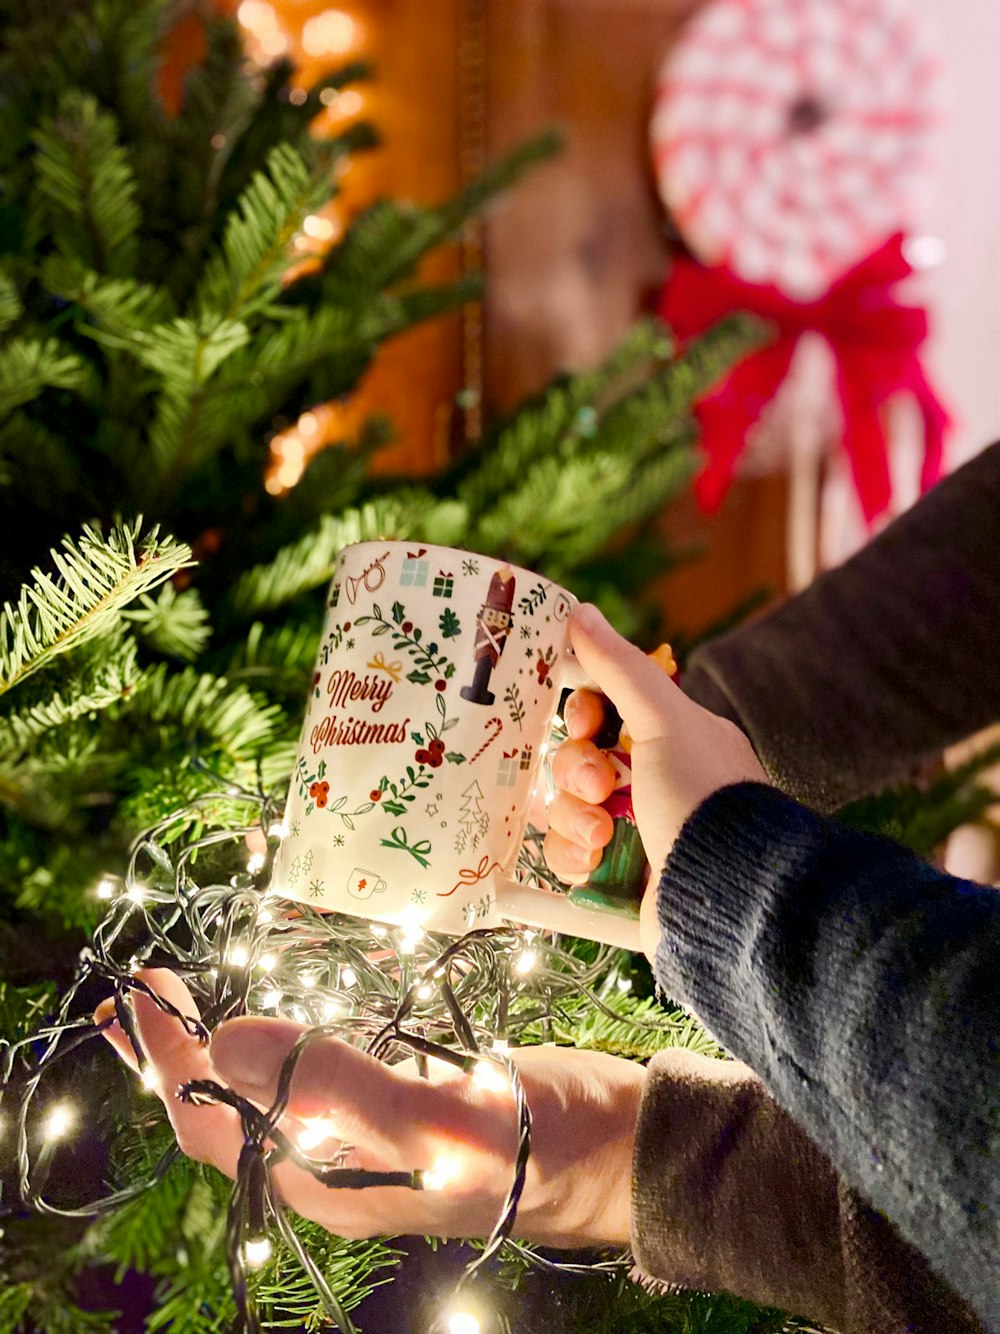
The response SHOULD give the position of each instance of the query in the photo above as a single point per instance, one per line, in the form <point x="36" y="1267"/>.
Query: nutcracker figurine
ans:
<point x="492" y="628"/>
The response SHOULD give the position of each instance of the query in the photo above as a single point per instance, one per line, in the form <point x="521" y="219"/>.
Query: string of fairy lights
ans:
<point x="395" y="992"/>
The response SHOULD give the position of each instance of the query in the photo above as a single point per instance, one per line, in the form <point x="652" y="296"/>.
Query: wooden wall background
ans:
<point x="571" y="257"/>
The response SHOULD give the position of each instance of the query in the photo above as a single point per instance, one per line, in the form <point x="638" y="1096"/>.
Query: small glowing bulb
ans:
<point x="489" y="1077"/>
<point x="255" y="862"/>
<point x="238" y="956"/>
<point x="271" y="998"/>
<point x="265" y="915"/>
<point x="350" y="102"/>
<point x="278" y="830"/>
<point x="59" y="1120"/>
<point x="137" y="892"/>
<point x="623" y="983"/>
<point x="525" y="961"/>
<point x="150" y="1079"/>
<point x="319" y="228"/>
<point x="500" y="1044"/>
<point x="379" y="930"/>
<point x="314" y="1131"/>
<point x="308" y="980"/>
<point x="267" y="962"/>
<point x="425" y="992"/>
<point x="411" y="938"/>
<point x="331" y="32"/>
<point x="257" y="1252"/>
<point x="106" y="888"/>
<point x="444" y="1171"/>
<point x="463" y="1322"/>
<point x="348" y="976"/>
<point x="332" y="1008"/>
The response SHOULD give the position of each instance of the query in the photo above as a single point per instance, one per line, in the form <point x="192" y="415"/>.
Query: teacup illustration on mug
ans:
<point x="437" y="680"/>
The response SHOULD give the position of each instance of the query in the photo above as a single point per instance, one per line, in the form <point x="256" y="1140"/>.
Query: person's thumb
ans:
<point x="645" y="697"/>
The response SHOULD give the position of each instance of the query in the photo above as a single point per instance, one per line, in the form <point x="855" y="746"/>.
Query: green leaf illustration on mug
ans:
<point x="428" y="663"/>
<point x="404" y="790"/>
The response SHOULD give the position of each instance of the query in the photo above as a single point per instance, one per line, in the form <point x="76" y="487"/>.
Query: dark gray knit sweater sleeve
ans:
<point x="881" y="662"/>
<point x="863" y="987"/>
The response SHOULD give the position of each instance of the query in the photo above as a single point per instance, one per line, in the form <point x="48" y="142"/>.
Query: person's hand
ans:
<point x="681" y="754"/>
<point x="584" y="1107"/>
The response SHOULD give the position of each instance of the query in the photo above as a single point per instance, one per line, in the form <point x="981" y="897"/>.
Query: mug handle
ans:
<point x="533" y="905"/>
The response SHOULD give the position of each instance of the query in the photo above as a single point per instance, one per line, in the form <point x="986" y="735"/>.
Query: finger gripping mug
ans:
<point x="437" y="680"/>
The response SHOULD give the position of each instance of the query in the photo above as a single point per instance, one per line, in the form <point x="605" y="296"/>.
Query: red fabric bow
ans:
<point x="874" y="341"/>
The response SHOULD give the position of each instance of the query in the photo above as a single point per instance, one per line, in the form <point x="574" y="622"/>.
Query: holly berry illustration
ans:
<point x="440" y="684"/>
<point x="375" y="794"/>
<point x="320" y="793"/>
<point x="436" y="746"/>
<point x="422" y="756"/>
<point x="542" y="668"/>
<point x="407" y="627"/>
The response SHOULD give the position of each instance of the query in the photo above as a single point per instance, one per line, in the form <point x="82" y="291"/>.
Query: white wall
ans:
<point x="965" y="289"/>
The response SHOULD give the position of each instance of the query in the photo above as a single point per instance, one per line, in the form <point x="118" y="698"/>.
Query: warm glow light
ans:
<point x="150" y="1079"/>
<point x="137" y="893"/>
<point x="258" y="16"/>
<point x="308" y="980"/>
<point x="349" y="103"/>
<point x="271" y="998"/>
<point x="490" y="1077"/>
<point x="278" y="830"/>
<point x="267" y="962"/>
<point x="314" y="1131"/>
<point x="106" y="888"/>
<point x="348" y="976"/>
<point x="525" y="961"/>
<point x="58" y="1122"/>
<point x="308" y="423"/>
<point x="255" y="862"/>
<point x="273" y="43"/>
<point x="463" y="1322"/>
<point x="445" y="1170"/>
<point x="257" y="1252"/>
<point x="332" y="1008"/>
<point x="320" y="229"/>
<point x="329" y="33"/>
<point x="500" y="1044"/>
<point x="425" y="992"/>
<point x="238" y="956"/>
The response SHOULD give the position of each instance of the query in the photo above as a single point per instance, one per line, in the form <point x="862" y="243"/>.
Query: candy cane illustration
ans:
<point x="496" y="723"/>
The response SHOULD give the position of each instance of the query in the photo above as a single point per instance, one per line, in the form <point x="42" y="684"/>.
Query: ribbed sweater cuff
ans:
<point x="731" y="862"/>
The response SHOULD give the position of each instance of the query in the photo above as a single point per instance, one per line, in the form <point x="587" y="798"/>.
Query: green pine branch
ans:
<point x="309" y="563"/>
<point x="85" y="184"/>
<point x="86" y="685"/>
<point x="30" y="365"/>
<point x="247" y="269"/>
<point x="96" y="578"/>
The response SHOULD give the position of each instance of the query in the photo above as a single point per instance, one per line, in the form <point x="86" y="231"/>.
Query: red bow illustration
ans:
<point x="875" y="343"/>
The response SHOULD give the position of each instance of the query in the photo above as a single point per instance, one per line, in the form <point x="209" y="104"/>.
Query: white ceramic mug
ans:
<point x="433" y="698"/>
